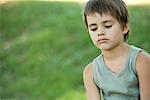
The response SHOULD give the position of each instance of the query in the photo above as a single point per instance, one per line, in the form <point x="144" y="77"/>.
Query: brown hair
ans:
<point x="116" y="8"/>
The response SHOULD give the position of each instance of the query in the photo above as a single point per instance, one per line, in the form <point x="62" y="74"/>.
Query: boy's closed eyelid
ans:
<point x="108" y="24"/>
<point x="93" y="29"/>
<point x="92" y="25"/>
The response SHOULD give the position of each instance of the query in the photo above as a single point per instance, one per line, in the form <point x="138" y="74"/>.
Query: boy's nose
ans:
<point x="101" y="33"/>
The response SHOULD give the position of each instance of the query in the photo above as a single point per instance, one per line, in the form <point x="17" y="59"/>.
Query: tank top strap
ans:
<point x="96" y="68"/>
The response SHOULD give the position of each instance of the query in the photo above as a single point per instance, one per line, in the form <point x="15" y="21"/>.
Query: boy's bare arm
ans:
<point x="92" y="91"/>
<point x="143" y="71"/>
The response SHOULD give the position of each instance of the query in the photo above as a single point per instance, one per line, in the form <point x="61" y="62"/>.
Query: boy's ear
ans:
<point x="126" y="29"/>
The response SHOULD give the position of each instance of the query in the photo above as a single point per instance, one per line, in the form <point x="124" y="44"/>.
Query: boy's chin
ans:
<point x="104" y="47"/>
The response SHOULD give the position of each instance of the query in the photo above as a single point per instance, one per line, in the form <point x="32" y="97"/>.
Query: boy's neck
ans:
<point x="116" y="52"/>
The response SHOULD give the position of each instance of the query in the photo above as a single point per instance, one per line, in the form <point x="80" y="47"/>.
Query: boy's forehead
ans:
<point x="100" y="17"/>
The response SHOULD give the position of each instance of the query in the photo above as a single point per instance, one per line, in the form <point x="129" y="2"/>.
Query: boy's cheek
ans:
<point x="93" y="38"/>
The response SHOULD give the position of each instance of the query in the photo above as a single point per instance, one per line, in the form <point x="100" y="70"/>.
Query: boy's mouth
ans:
<point x="103" y="40"/>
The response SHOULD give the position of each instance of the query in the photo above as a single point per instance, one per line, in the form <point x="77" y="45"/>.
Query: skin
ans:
<point x="108" y="35"/>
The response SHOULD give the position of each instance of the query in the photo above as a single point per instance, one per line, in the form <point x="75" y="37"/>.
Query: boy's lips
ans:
<point x="103" y="40"/>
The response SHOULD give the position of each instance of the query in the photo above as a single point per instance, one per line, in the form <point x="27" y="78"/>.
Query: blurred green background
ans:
<point x="44" y="47"/>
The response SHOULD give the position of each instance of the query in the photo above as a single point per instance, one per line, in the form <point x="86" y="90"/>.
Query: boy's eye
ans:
<point x="108" y="26"/>
<point x="93" y="29"/>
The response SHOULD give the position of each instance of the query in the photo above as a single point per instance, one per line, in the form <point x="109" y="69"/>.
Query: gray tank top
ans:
<point x="120" y="86"/>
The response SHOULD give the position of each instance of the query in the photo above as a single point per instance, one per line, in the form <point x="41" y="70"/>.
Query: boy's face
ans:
<point x="105" y="31"/>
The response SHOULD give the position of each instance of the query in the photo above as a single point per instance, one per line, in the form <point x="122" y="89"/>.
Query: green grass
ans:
<point x="45" y="48"/>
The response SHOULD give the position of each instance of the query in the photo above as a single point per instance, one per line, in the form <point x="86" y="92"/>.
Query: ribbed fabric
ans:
<point x="120" y="86"/>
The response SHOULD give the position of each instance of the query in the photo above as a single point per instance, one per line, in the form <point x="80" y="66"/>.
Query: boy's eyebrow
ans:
<point x="106" y="21"/>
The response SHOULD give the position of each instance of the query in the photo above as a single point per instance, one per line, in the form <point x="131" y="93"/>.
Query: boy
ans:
<point x="121" y="71"/>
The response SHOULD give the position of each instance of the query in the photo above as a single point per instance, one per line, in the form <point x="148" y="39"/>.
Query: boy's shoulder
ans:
<point x="142" y="62"/>
<point x="143" y="58"/>
<point x="88" y="72"/>
<point x="89" y="67"/>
